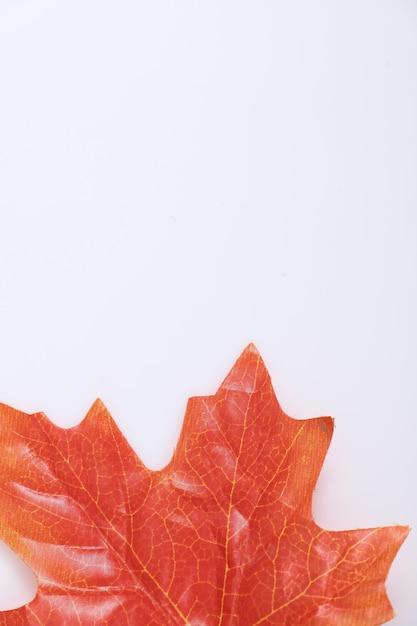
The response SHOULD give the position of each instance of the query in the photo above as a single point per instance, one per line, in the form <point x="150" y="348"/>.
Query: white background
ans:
<point x="178" y="179"/>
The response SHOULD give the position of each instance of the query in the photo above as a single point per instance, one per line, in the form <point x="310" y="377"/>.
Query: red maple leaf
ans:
<point x="222" y="536"/>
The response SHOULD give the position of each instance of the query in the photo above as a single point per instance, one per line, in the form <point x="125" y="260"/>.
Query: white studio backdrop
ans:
<point x="178" y="179"/>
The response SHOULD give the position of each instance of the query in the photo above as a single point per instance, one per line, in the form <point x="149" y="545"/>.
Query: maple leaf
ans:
<point x="222" y="536"/>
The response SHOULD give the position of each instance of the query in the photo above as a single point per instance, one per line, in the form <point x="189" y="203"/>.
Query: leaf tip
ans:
<point x="248" y="372"/>
<point x="251" y="349"/>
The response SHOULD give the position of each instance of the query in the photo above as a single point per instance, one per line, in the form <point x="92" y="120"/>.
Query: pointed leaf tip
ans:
<point x="248" y="372"/>
<point x="251" y="348"/>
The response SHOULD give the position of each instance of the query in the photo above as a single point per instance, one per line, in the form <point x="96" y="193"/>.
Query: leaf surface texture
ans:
<point x="222" y="536"/>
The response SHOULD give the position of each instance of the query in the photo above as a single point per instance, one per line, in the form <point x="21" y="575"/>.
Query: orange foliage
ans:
<point x="222" y="536"/>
